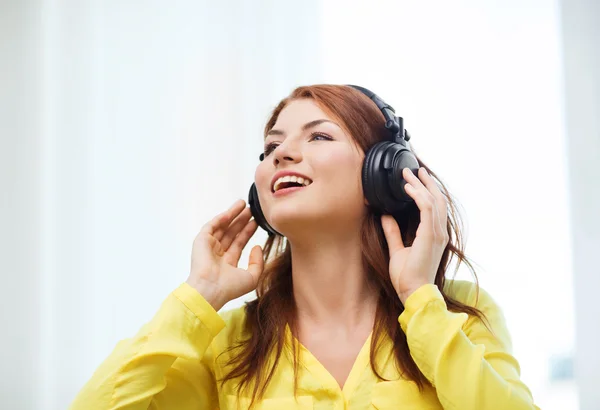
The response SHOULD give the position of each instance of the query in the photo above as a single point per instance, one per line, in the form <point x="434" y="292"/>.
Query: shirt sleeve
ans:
<point x="471" y="367"/>
<point x="168" y="364"/>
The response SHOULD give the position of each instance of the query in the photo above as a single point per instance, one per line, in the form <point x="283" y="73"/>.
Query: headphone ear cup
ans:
<point x="405" y="159"/>
<point x="369" y="171"/>
<point x="257" y="212"/>
<point x="384" y="187"/>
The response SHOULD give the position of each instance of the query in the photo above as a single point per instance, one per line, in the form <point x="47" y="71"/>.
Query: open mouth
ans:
<point x="290" y="181"/>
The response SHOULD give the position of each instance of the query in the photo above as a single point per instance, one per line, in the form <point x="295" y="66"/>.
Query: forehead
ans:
<point x="299" y="112"/>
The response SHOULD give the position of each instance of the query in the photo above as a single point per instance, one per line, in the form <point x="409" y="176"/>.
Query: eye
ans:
<point x="322" y="137"/>
<point x="269" y="148"/>
<point x="314" y="136"/>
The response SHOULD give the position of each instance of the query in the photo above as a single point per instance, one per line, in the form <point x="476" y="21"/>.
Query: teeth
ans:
<point x="291" y="178"/>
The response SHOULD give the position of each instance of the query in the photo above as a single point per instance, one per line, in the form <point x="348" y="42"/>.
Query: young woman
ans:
<point x="353" y="310"/>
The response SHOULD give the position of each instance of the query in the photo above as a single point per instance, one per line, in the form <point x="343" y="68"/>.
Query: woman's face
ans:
<point x="309" y="144"/>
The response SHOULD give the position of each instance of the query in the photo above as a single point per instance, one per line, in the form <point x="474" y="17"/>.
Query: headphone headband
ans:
<point x="393" y="123"/>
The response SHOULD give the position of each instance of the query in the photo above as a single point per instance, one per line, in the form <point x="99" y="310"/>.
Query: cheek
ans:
<point x="261" y="178"/>
<point x="342" y="171"/>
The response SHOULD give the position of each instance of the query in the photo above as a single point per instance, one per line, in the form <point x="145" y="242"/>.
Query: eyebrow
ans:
<point x="305" y="127"/>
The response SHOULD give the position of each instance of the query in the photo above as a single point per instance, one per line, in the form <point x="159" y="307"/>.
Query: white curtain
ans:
<point x="130" y="125"/>
<point x="479" y="84"/>
<point x="580" y="24"/>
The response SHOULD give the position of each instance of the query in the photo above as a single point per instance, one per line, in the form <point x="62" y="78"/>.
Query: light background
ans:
<point x="125" y="126"/>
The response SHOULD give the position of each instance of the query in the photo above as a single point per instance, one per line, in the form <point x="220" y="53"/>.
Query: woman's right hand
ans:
<point x="216" y="252"/>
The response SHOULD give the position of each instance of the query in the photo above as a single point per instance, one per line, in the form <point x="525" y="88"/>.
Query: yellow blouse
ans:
<point x="172" y="363"/>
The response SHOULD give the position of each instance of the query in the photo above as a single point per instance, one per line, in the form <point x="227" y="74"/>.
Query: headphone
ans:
<point x="382" y="180"/>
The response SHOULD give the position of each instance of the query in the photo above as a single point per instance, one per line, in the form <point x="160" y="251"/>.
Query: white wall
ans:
<point x="581" y="56"/>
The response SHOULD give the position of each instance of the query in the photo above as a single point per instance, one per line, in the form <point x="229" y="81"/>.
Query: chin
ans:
<point x="288" y="215"/>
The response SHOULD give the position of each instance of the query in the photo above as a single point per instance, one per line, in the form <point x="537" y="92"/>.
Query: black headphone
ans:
<point x="382" y="180"/>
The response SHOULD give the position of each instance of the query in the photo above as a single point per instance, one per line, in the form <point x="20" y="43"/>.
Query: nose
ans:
<point x="286" y="152"/>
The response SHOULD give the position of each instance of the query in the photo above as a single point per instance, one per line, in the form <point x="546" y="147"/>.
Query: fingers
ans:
<point x="423" y="199"/>
<point x="441" y="203"/>
<point x="235" y="227"/>
<point x="232" y="255"/>
<point x="217" y="226"/>
<point x="392" y="233"/>
<point x="429" y="199"/>
<point x="255" y="263"/>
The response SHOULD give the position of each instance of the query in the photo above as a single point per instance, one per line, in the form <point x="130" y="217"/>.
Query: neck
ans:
<point x="330" y="283"/>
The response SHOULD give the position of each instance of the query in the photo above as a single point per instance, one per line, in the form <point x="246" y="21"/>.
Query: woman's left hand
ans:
<point x="414" y="266"/>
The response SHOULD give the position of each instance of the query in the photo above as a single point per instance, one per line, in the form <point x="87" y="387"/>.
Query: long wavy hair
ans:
<point x="256" y="356"/>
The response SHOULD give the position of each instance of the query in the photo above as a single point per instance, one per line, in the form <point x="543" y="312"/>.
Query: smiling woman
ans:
<point x="353" y="306"/>
<point x="317" y="149"/>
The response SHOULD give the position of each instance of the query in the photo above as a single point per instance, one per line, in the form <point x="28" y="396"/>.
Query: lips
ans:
<point x="287" y="180"/>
